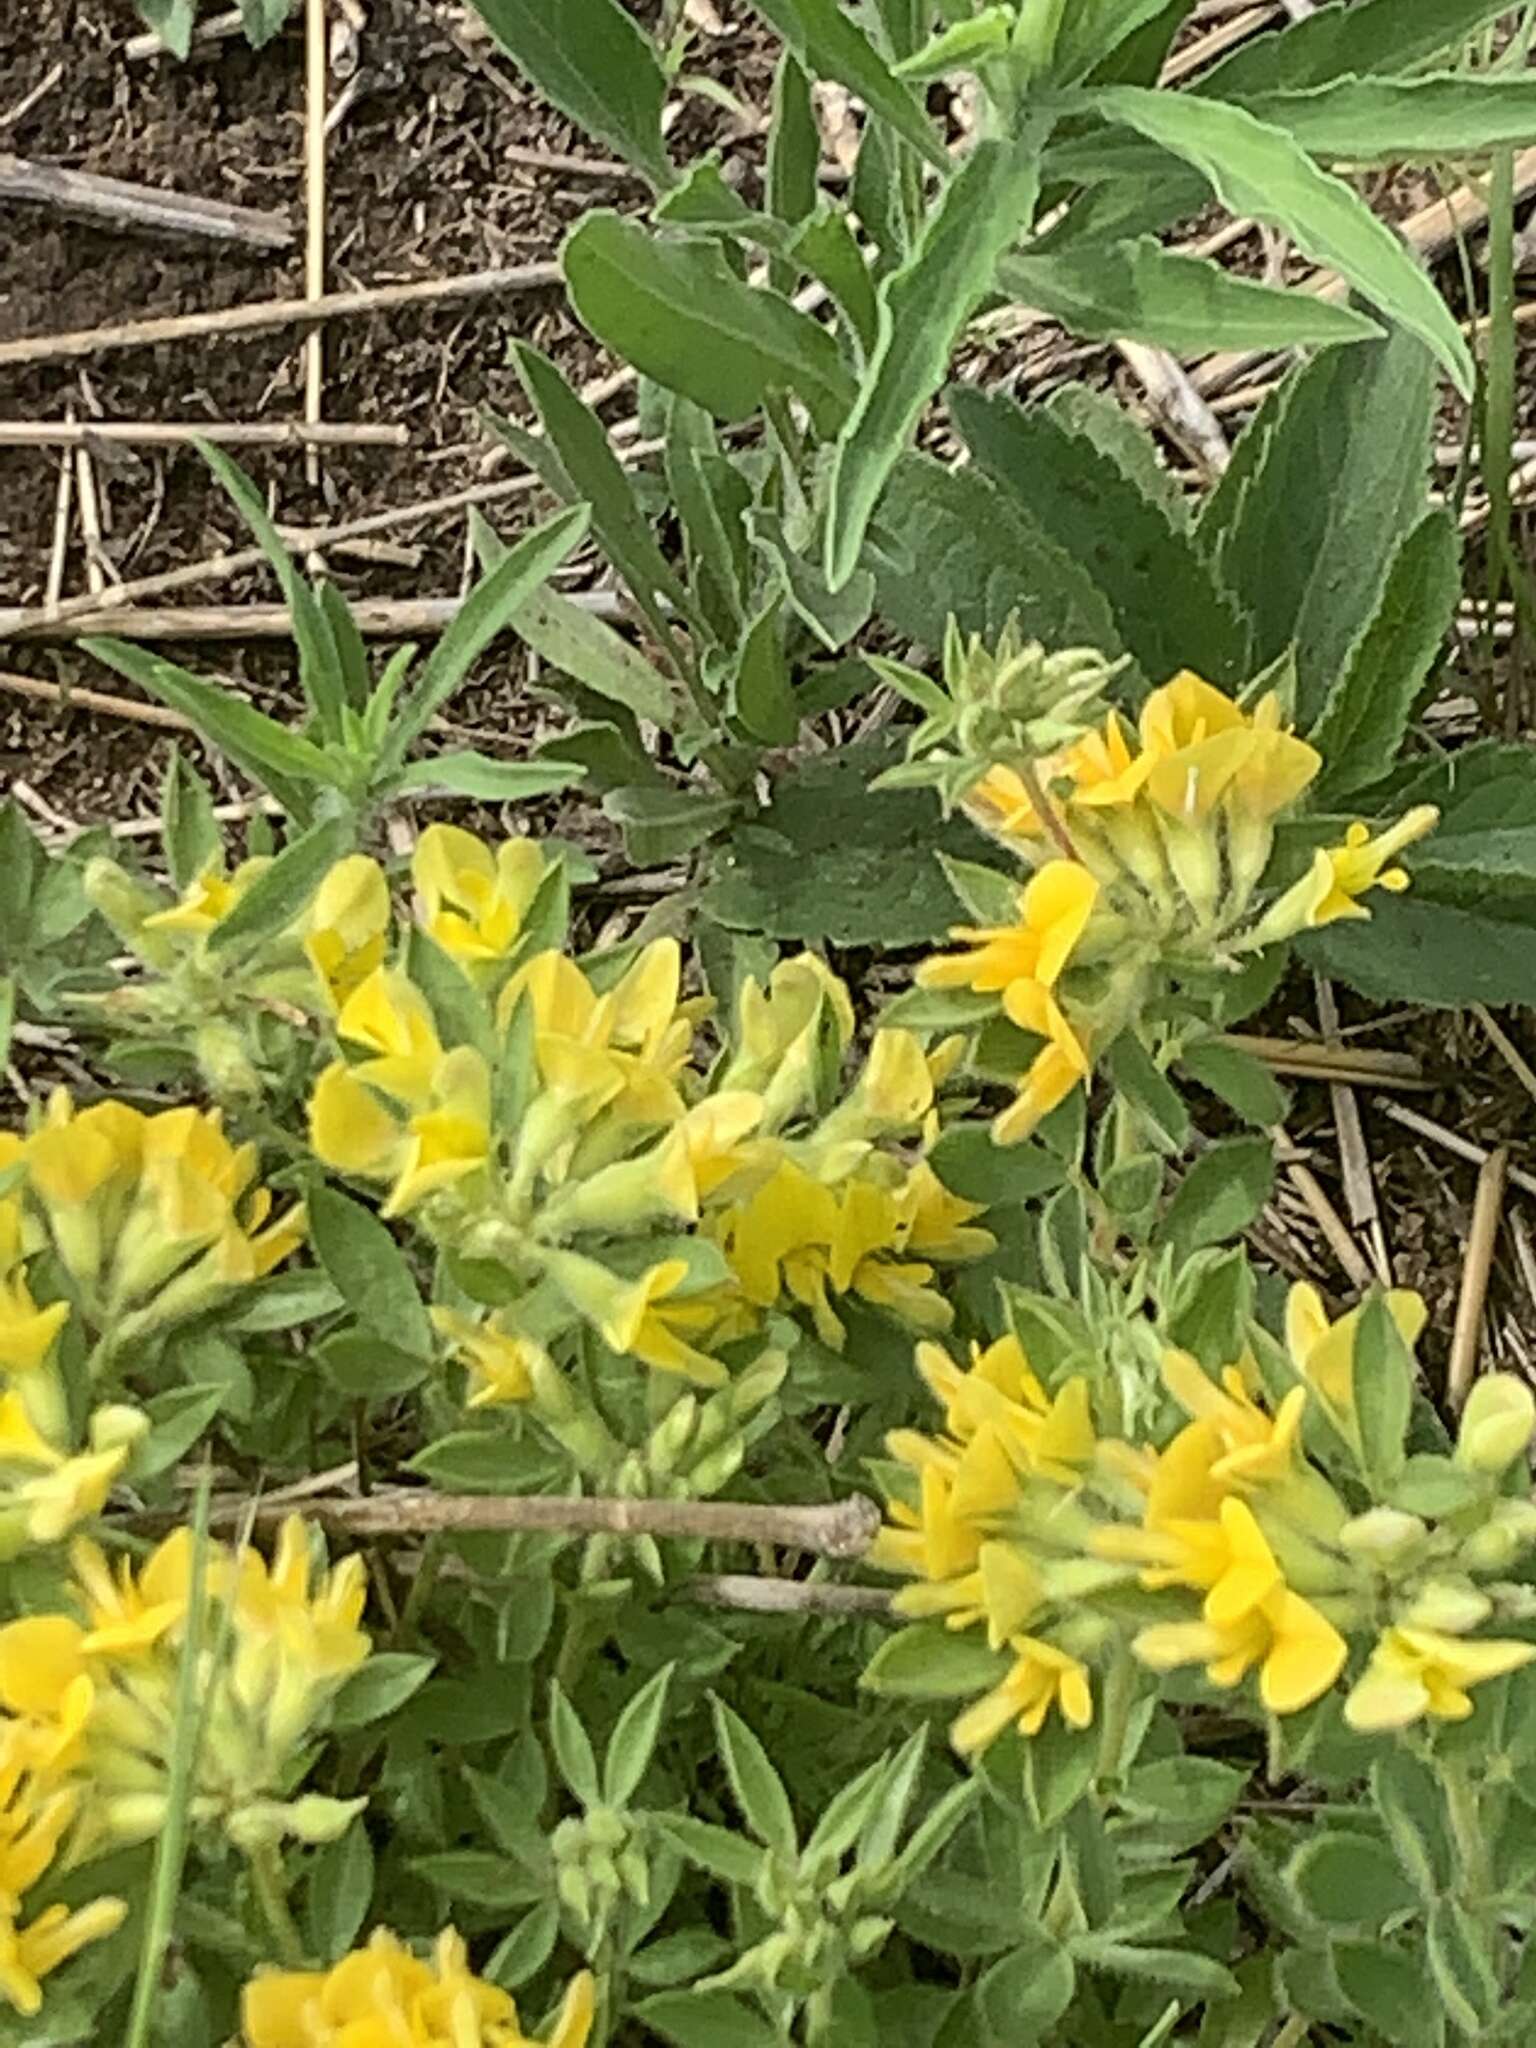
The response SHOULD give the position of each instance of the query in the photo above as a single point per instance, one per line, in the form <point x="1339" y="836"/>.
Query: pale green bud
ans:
<point x="568" y="1842"/>
<point x="314" y="1818"/>
<point x="602" y="1872"/>
<point x="1383" y="1536"/>
<point x="635" y="1875"/>
<point x="571" y="1888"/>
<point x="224" y="1062"/>
<point x="1448" y="1606"/>
<point x="721" y="1466"/>
<point x="671" y="1436"/>
<point x="134" y="1816"/>
<point x="606" y="1828"/>
<point x="1513" y="1602"/>
<point x="868" y="1935"/>
<point x="1508" y="1532"/>
<point x="1496" y="1424"/>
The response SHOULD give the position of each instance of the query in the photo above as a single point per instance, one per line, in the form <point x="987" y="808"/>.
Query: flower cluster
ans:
<point x="1150" y="856"/>
<point x="572" y="1138"/>
<point x="1254" y="1533"/>
<point x="36" y="1812"/>
<point x="89" y="1695"/>
<point x="383" y="1993"/>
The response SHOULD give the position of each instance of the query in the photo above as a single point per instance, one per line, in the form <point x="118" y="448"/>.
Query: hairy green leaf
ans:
<point x="596" y="65"/>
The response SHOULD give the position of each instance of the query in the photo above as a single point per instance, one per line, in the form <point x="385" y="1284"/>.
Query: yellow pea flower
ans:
<point x="1006" y="1591"/>
<point x="1340" y="875"/>
<point x="636" y="1318"/>
<point x="474" y="901"/>
<point x="350" y="1129"/>
<point x="128" y="1612"/>
<point x="1323" y="1352"/>
<point x="28" y="1954"/>
<point x="389" y="1016"/>
<point x="1042" y="1677"/>
<point x="1255" y="1447"/>
<point x="500" y="1362"/>
<point x="346" y="927"/>
<point x="27" y="1332"/>
<point x="1105" y="773"/>
<point x="1496" y="1424"/>
<point x="449" y="1135"/>
<point x="1054" y="909"/>
<point x="314" y="1615"/>
<point x="208" y="900"/>
<point x="939" y="1224"/>
<point x="385" y="1994"/>
<point x="1299" y="1651"/>
<point x="1060" y="1066"/>
<point x="896" y="1086"/>
<point x="1418" y="1671"/>
<point x="47" y="1686"/>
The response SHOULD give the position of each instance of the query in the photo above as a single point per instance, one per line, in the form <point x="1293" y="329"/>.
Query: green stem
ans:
<point x="1462" y="1808"/>
<point x="1115" y="1720"/>
<point x="428" y="1568"/>
<point x="270" y="1883"/>
<point x="1293" y="2033"/>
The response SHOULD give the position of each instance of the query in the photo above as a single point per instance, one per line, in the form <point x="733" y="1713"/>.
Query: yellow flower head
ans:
<point x="345" y="931"/>
<point x="1299" y="1651"/>
<point x="1323" y="1352"/>
<point x="385" y="1995"/>
<point x="389" y="1016"/>
<point x="209" y="899"/>
<point x="27" y="1332"/>
<point x="1496" y="1424"/>
<point x="1419" y="1671"/>
<point x="474" y="901"/>
<point x="1255" y="1447"/>
<point x="28" y="1954"/>
<point x="1204" y="750"/>
<point x="1042" y="1677"/>
<point x="638" y="1318"/>
<point x="500" y="1362"/>
<point x="1060" y="1065"/>
<point x="1054" y="909"/>
<point x="314" y="1617"/>
<point x="1340" y="875"/>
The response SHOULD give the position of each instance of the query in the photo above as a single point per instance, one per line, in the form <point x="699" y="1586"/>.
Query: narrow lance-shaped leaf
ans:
<point x="1259" y="172"/>
<point x="596" y="65"/>
<point x="483" y="614"/>
<point x="922" y="307"/>
<point x="830" y="44"/>
<point x="479" y="775"/>
<point x="320" y="666"/>
<point x="679" y="313"/>
<point x="268" y="752"/>
<point x="1141" y="291"/>
<point x="282" y="892"/>
<point x="1404" y="120"/>
<point x="1352" y="38"/>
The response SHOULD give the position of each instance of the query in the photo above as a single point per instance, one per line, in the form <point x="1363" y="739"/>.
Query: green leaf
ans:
<point x="834" y="616"/>
<point x="591" y="60"/>
<point x="679" y="314"/>
<point x="986" y="895"/>
<point x="959" y="46"/>
<point x="971" y="1165"/>
<point x="1432" y="1486"/>
<point x="1220" y="1195"/>
<point x="1384" y="1377"/>
<point x="337" y="1893"/>
<point x="1403" y="120"/>
<point x="488" y="1461"/>
<point x="633" y="1740"/>
<point x="1365" y="717"/>
<point x="1182" y="1970"/>
<point x="792" y="173"/>
<point x="725" y="1855"/>
<point x="281" y="1301"/>
<point x="489" y="608"/>
<point x="923" y="306"/>
<point x="572" y="639"/>
<point x="757" y="1785"/>
<point x="1391" y="1990"/>
<point x="1347" y="40"/>
<point x="712" y="498"/>
<point x="1259" y="172"/>
<point x="522" y="1953"/>
<point x="1308" y="565"/>
<point x="379" y="1688"/>
<point x="1028" y="1991"/>
<point x="282" y="892"/>
<point x="830" y="44"/>
<point x="760" y="692"/>
<point x="1410" y="1800"/>
<point x="263" y="19"/>
<point x="361" y="1364"/>
<point x="1243" y="1082"/>
<point x="1141" y="291"/>
<point x="1442" y="955"/>
<point x="1104" y="38"/>
<point x="369" y="1270"/>
<point x="661" y="824"/>
<point x="1162" y="1110"/>
<point x="951" y="544"/>
<point x="494" y="782"/>
<point x="830" y="859"/>
<point x="1459" y="1962"/>
<point x="478" y="1877"/>
<point x="173" y="22"/>
<point x="320" y="668"/>
<point x="1193" y="1790"/>
<point x="930" y="1662"/>
<point x="189" y="830"/>
<point x="707" y="2019"/>
<point x="1117" y="434"/>
<point x="350" y="649"/>
<point x="269" y="753"/>
<point x="827" y="247"/>
<point x="177" y="1418"/>
<point x="1350" y="1880"/>
<point x="1170" y="610"/>
<point x="573" y="1748"/>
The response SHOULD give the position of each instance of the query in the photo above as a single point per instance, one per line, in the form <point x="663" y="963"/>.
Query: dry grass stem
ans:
<point x="146" y="209"/>
<point x="1487" y="1208"/>
<point x="1451" y="1141"/>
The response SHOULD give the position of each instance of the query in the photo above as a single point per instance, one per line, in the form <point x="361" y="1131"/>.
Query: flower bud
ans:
<point x="867" y="1935"/>
<point x="635" y="1875"/>
<point x="314" y="1818"/>
<point x="571" y="1888"/>
<point x="134" y="1816"/>
<point x="671" y="1436"/>
<point x="606" y="1829"/>
<point x="1496" y="1424"/>
<point x="1449" y="1607"/>
<point x="116" y="1426"/>
<point x="224" y="1062"/>
<point x="1383" y="1536"/>
<point x="1508" y="1532"/>
<point x="125" y="902"/>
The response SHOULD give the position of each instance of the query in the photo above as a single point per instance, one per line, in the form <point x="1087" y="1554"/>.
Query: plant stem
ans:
<point x="1045" y="810"/>
<point x="1119" y="1698"/>
<point x="271" y="1887"/>
<point x="1293" y="2033"/>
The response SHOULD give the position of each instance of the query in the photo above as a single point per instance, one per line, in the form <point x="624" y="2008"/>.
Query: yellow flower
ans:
<point x="126" y="1612"/>
<point x="350" y="1129"/>
<point x="46" y="1684"/>
<point x="938" y="1224"/>
<point x="1054" y="910"/>
<point x="1005" y="1591"/>
<point x="1104" y="771"/>
<point x="499" y="1361"/>
<point x="28" y="1954"/>
<point x="1255" y="1446"/>
<point x="26" y="1331"/>
<point x="896" y="1087"/>
<point x="449" y="1135"/>
<point x="1496" y="1424"/>
<point x="1418" y="1671"/>
<point x="616" y="1052"/>
<point x="1323" y="1353"/>
<point x="1060" y="1066"/>
<point x="1340" y="875"/>
<point x="209" y="899"/>
<point x="1004" y="803"/>
<point x="316" y="1623"/>
<point x="383" y="1996"/>
<point x="388" y="1014"/>
<point x="1049" y="1437"/>
<point x="1204" y="748"/>
<point x="1042" y="1677"/>
<point x="637" y="1319"/>
<point x="345" y="930"/>
<point x="1299" y="1650"/>
<point x="474" y="901"/>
